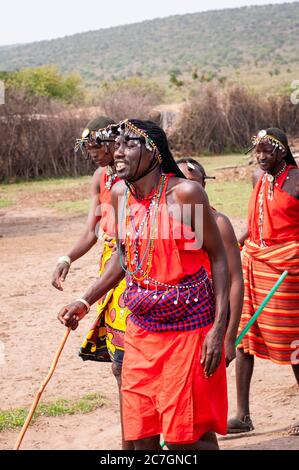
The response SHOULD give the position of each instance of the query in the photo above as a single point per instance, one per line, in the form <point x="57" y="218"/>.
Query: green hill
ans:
<point x="250" y="39"/>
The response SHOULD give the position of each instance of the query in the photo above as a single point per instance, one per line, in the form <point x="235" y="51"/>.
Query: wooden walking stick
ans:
<point x="41" y="390"/>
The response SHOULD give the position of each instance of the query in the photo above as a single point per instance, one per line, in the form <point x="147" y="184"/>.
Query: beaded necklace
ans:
<point x="271" y="179"/>
<point x="134" y="267"/>
<point x="127" y="216"/>
<point x="111" y="177"/>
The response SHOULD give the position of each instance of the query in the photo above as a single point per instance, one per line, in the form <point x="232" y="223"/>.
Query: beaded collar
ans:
<point x="111" y="177"/>
<point x="271" y="179"/>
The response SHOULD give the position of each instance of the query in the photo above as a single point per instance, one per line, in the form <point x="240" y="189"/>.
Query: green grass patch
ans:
<point x="216" y="162"/>
<point x="50" y="184"/>
<point x="15" y="418"/>
<point x="5" y="203"/>
<point x="230" y="197"/>
<point x="71" y="207"/>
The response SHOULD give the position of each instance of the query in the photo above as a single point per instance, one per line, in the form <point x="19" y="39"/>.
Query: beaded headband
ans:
<point x="100" y="136"/>
<point x="262" y="136"/>
<point x="149" y="143"/>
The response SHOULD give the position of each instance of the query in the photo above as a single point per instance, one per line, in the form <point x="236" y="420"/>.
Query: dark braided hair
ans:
<point x="282" y="137"/>
<point x="99" y="123"/>
<point x="159" y="138"/>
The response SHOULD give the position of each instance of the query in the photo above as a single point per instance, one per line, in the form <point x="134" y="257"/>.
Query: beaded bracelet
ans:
<point x="83" y="301"/>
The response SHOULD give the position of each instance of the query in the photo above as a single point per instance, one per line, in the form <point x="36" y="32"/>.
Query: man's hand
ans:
<point x="111" y="241"/>
<point x="230" y="351"/>
<point x="71" y="314"/>
<point x="211" y="351"/>
<point x="59" y="275"/>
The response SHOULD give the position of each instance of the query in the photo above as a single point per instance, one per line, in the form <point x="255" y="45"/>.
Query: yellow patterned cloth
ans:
<point x="105" y="340"/>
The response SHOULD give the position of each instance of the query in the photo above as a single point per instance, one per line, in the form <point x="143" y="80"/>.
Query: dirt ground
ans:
<point x="31" y="240"/>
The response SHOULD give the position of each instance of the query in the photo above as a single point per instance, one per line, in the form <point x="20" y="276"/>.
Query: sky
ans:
<point x="34" y="20"/>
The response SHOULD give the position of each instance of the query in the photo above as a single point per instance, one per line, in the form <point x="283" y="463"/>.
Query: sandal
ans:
<point x="237" y="426"/>
<point x="294" y="430"/>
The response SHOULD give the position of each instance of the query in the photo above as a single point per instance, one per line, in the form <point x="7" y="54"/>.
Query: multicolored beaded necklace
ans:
<point x="133" y="266"/>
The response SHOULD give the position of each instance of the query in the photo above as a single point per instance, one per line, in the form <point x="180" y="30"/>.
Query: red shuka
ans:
<point x="281" y="215"/>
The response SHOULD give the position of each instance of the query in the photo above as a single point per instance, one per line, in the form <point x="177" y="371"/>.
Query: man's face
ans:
<point x="266" y="158"/>
<point x="192" y="174"/>
<point x="101" y="154"/>
<point x="127" y="157"/>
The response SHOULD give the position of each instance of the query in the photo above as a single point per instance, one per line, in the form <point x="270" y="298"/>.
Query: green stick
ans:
<point x="261" y="307"/>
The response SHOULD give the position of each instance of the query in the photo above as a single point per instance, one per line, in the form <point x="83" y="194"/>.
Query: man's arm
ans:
<point x="297" y="186"/>
<point x="256" y="175"/>
<point x="192" y="193"/>
<point x="112" y="275"/>
<point x="236" y="293"/>
<point x="293" y="188"/>
<point x="71" y="314"/>
<point x="87" y="240"/>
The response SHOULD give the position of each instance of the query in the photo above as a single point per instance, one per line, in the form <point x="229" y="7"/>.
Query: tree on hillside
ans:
<point x="47" y="81"/>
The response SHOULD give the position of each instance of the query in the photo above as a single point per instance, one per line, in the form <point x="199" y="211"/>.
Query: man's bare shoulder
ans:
<point x="294" y="173"/>
<point x="256" y="175"/>
<point x="118" y="189"/>
<point x="294" y="179"/>
<point x="225" y="226"/>
<point x="95" y="181"/>
<point x="222" y="218"/>
<point x="186" y="191"/>
<point x="99" y="170"/>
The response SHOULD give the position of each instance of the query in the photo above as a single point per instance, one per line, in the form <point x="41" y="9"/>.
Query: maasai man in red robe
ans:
<point x="271" y="247"/>
<point x="174" y="376"/>
<point x="105" y="340"/>
<point x="194" y="171"/>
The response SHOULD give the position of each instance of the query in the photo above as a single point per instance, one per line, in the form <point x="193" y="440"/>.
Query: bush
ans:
<point x="37" y="138"/>
<point x="132" y="98"/>
<point x="216" y="119"/>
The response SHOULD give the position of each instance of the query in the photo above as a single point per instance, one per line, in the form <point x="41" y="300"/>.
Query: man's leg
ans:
<point x="149" y="443"/>
<point x="244" y="370"/>
<point x="294" y="430"/>
<point x="295" y="368"/>
<point x="207" y="442"/>
<point x="116" y="369"/>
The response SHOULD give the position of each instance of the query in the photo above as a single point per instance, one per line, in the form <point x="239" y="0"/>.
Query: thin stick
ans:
<point x="40" y="390"/>
<point x="261" y="307"/>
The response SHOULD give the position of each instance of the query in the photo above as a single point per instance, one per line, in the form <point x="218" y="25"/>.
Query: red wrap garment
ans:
<point x="280" y="215"/>
<point x="164" y="388"/>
